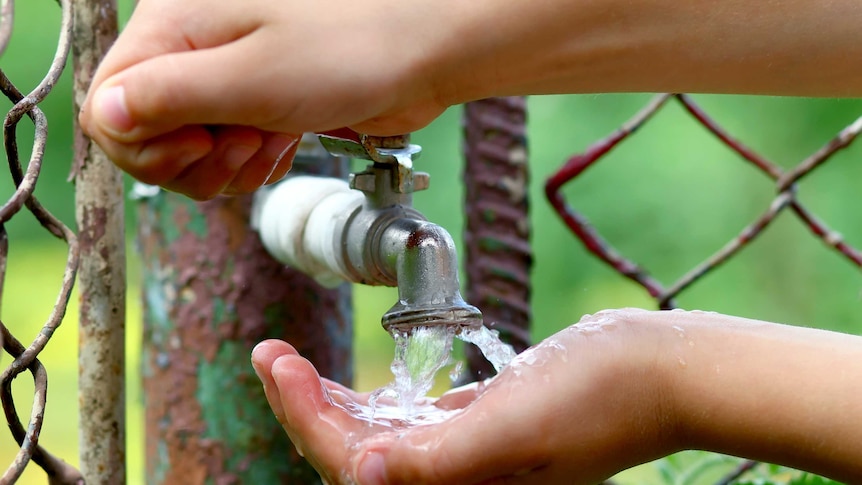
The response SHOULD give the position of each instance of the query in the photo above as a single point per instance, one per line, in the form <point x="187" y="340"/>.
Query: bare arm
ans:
<point x="795" y="47"/>
<point x="771" y="392"/>
<point x="207" y="97"/>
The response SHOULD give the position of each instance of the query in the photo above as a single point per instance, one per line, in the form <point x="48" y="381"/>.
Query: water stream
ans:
<point x="420" y="354"/>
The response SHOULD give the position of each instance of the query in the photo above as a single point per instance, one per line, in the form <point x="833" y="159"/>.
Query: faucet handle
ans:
<point x="380" y="149"/>
<point x="395" y="152"/>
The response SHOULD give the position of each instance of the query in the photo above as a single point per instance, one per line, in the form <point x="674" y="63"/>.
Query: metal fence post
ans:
<point x="102" y="273"/>
<point x="211" y="292"/>
<point x="498" y="256"/>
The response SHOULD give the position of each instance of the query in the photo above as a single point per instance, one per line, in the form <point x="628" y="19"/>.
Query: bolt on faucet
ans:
<point x="366" y="231"/>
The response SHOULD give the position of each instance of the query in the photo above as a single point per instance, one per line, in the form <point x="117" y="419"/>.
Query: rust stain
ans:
<point x="260" y="299"/>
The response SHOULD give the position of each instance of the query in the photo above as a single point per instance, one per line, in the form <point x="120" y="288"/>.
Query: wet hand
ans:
<point x="207" y="97"/>
<point x="576" y="408"/>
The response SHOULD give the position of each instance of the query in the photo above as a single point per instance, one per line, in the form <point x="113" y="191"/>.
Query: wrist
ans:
<point x="654" y="362"/>
<point x="639" y="407"/>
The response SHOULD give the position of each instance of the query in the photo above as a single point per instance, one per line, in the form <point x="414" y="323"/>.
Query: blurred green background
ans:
<point x="667" y="198"/>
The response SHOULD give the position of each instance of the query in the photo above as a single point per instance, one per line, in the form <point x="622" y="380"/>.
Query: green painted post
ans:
<point x="211" y="293"/>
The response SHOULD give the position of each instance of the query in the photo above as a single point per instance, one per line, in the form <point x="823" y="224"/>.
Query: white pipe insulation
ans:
<point x="299" y="220"/>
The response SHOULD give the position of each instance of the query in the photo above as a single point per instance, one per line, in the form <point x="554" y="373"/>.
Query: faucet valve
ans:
<point x="394" y="153"/>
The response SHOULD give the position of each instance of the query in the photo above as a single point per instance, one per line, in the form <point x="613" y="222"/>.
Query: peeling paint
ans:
<point x="102" y="272"/>
<point x="207" y="420"/>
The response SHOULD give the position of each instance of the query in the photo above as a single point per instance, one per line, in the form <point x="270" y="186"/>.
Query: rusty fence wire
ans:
<point x="25" y="178"/>
<point x="785" y="183"/>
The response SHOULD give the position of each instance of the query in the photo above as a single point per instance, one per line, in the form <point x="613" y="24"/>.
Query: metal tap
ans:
<point x="386" y="241"/>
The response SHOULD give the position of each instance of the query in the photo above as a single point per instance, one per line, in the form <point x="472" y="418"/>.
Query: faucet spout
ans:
<point x="423" y="257"/>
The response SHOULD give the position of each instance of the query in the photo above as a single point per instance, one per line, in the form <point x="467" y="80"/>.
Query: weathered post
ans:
<point x="211" y="293"/>
<point x="102" y="272"/>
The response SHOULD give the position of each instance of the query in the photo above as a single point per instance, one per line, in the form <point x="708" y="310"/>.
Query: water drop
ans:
<point x="703" y="312"/>
<point x="455" y="373"/>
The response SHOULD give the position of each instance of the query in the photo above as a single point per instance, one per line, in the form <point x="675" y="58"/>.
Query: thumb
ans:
<point x="159" y="27"/>
<point x="161" y="94"/>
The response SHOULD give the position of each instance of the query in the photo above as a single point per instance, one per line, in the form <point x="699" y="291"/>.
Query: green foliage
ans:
<point x="694" y="468"/>
<point x="703" y="468"/>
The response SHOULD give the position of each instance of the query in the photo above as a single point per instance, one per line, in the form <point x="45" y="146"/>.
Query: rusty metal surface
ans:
<point x="211" y="292"/>
<point x="785" y="200"/>
<point x="25" y="358"/>
<point x="498" y="256"/>
<point x="102" y="275"/>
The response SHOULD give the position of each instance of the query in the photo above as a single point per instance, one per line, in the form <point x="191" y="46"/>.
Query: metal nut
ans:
<point x="363" y="181"/>
<point x="421" y="181"/>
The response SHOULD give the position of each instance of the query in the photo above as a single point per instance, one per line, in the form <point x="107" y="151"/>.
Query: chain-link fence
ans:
<point x="24" y="178"/>
<point x="785" y="200"/>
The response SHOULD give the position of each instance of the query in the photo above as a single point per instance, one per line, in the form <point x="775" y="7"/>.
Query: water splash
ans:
<point x="420" y="353"/>
<point x="386" y="415"/>
<point x="498" y="353"/>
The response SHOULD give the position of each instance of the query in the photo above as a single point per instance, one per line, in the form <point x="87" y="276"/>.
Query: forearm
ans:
<point x="771" y="392"/>
<point x="795" y="47"/>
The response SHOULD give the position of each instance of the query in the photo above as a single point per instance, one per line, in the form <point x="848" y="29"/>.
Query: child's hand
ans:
<point x="620" y="388"/>
<point x="206" y="97"/>
<point x="574" y="409"/>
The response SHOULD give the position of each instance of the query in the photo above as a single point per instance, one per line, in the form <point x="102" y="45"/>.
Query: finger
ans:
<point x="180" y="27"/>
<point x="274" y="156"/>
<point x="321" y="426"/>
<point x="162" y="158"/>
<point x="187" y="88"/>
<point x="284" y="164"/>
<point x="302" y="394"/>
<point x="358" y="397"/>
<point x="262" y="358"/>
<point x="205" y="178"/>
<point x="460" y="397"/>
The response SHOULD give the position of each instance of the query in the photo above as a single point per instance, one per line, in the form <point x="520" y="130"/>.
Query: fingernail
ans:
<point x="257" y="370"/>
<point x="372" y="470"/>
<point x="111" y="110"/>
<point x="254" y="363"/>
<point x="236" y="156"/>
<point x="287" y="142"/>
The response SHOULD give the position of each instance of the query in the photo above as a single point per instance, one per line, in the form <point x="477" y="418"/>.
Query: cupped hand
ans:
<point x="577" y="408"/>
<point x="206" y="97"/>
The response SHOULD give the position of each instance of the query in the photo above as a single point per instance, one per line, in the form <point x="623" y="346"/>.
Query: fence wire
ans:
<point x="26" y="358"/>
<point x="785" y="200"/>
